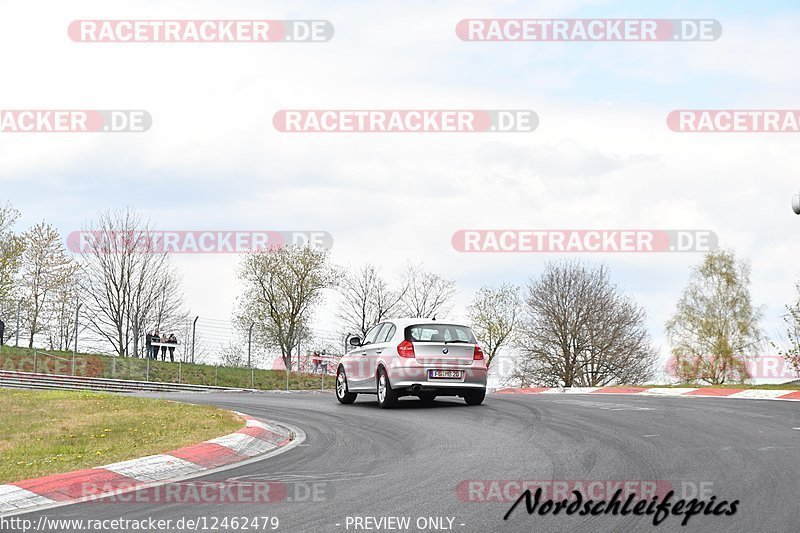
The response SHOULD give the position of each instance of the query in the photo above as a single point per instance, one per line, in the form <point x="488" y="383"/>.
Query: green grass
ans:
<point x="49" y="432"/>
<point x="94" y="365"/>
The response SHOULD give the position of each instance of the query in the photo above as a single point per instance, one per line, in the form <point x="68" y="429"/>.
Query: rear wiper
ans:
<point x="457" y="341"/>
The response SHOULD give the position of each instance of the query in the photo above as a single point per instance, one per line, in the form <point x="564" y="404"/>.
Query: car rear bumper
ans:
<point x="413" y="379"/>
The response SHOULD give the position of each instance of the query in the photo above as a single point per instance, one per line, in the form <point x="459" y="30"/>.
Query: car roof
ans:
<point x="403" y="322"/>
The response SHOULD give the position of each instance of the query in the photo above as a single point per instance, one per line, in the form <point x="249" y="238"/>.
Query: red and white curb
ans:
<point x="256" y="441"/>
<point x="703" y="392"/>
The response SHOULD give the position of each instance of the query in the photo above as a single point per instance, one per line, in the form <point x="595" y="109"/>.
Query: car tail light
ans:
<point x="477" y="355"/>
<point x="405" y="349"/>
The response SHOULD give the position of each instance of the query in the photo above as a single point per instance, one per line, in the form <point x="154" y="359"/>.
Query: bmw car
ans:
<point x="413" y="357"/>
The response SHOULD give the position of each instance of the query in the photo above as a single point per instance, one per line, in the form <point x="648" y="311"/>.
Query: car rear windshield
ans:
<point x="439" y="333"/>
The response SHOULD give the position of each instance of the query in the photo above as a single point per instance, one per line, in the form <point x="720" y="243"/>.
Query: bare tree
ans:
<point x="45" y="268"/>
<point x="715" y="325"/>
<point x="494" y="316"/>
<point x="366" y="299"/>
<point x="579" y="330"/>
<point x="426" y="294"/>
<point x="281" y="288"/>
<point x="127" y="282"/>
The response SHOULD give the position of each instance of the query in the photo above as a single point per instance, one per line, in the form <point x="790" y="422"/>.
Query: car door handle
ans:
<point x="379" y="352"/>
<point x="363" y="353"/>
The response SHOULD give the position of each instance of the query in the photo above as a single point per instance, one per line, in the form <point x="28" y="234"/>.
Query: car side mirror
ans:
<point x="355" y="341"/>
<point x="796" y="204"/>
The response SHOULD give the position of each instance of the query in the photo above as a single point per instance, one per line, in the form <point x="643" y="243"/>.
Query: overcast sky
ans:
<point x="602" y="156"/>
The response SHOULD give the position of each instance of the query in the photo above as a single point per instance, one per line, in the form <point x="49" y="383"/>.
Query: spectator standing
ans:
<point x="174" y="340"/>
<point x="324" y="361"/>
<point x="148" y="341"/>
<point x="156" y="338"/>
<point x="2" y="332"/>
<point x="315" y="360"/>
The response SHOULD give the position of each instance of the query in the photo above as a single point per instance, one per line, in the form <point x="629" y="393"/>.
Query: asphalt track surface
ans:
<point x="409" y="461"/>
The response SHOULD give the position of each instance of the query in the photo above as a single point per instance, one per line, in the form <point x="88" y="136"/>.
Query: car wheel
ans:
<point x="342" y="393"/>
<point x="387" y="398"/>
<point x="475" y="398"/>
<point x="427" y="397"/>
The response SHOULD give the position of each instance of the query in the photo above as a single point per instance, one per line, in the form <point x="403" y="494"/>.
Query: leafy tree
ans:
<point x="791" y="320"/>
<point x="281" y="288"/>
<point x="11" y="249"/>
<point x="715" y="325"/>
<point x="45" y="268"/>
<point x="494" y="317"/>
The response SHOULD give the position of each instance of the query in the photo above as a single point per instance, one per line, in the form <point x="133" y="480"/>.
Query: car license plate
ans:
<point x="445" y="374"/>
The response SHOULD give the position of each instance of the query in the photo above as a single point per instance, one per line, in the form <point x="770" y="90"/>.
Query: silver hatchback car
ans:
<point x="413" y="357"/>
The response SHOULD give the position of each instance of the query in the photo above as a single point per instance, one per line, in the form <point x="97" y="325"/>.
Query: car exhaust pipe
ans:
<point x="416" y="388"/>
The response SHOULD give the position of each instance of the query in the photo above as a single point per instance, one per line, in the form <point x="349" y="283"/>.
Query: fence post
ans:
<point x="250" y="343"/>
<point x="16" y="341"/>
<point x="215" y="375"/>
<point x="35" y="354"/>
<point x="75" y="346"/>
<point x="147" y="376"/>
<point x="113" y="366"/>
<point x="180" y="375"/>
<point x="252" y="378"/>
<point x="194" y="329"/>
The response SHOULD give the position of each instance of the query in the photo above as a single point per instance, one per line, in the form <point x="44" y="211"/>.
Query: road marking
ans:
<point x="798" y="429"/>
<point x="646" y="436"/>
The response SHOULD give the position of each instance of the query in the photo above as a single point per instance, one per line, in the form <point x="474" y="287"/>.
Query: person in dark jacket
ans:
<point x="2" y="332"/>
<point x="156" y="338"/>
<point x="149" y="343"/>
<point x="174" y="340"/>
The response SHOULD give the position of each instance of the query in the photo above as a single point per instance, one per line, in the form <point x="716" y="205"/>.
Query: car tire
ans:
<point x="475" y="398"/>
<point x="343" y="394"/>
<point x="427" y="397"/>
<point x="387" y="398"/>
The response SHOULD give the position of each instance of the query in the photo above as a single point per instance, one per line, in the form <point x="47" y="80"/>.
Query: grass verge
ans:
<point x="103" y="366"/>
<point x="49" y="432"/>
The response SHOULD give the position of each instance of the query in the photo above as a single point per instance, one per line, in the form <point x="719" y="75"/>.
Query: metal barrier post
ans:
<point x="180" y="375"/>
<point x="35" y="355"/>
<point x="215" y="374"/>
<point x="147" y="377"/>
<point x="252" y="378"/>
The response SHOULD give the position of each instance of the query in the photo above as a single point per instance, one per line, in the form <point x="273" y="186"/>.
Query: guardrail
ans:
<point x="31" y="380"/>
